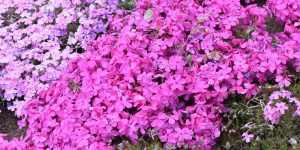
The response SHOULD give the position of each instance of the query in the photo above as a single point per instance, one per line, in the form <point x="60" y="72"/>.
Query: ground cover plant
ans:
<point x="176" y="74"/>
<point x="248" y="118"/>
<point x="37" y="38"/>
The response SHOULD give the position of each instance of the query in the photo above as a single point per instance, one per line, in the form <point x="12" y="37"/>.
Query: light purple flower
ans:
<point x="247" y="137"/>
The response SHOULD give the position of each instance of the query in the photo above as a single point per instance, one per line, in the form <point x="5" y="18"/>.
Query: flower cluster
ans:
<point x="166" y="67"/>
<point x="276" y="107"/>
<point x="38" y="37"/>
<point x="286" y="11"/>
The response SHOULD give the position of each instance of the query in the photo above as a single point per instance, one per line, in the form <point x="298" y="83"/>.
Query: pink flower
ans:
<point x="176" y="62"/>
<point x="282" y="82"/>
<point x="247" y="137"/>
<point x="251" y="89"/>
<point x="174" y="117"/>
<point x="281" y="106"/>
<point x="168" y="137"/>
<point x="221" y="92"/>
<point x="176" y="82"/>
<point x="182" y="135"/>
<point x="271" y="114"/>
<point x="199" y="86"/>
<point x="159" y="121"/>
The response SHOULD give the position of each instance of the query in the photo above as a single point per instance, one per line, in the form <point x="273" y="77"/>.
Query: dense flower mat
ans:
<point x="37" y="37"/>
<point x="165" y="67"/>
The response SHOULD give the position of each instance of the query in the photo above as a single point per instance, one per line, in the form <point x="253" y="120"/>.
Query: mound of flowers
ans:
<point x="38" y="37"/>
<point x="165" y="68"/>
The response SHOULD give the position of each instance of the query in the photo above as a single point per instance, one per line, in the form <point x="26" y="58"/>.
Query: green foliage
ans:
<point x="74" y="87"/>
<point x="147" y="143"/>
<point x="244" y="34"/>
<point x="154" y="145"/>
<point x="243" y="113"/>
<point x="274" y="42"/>
<point x="9" y="124"/>
<point x="295" y="88"/>
<point x="127" y="4"/>
<point x="273" y="26"/>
